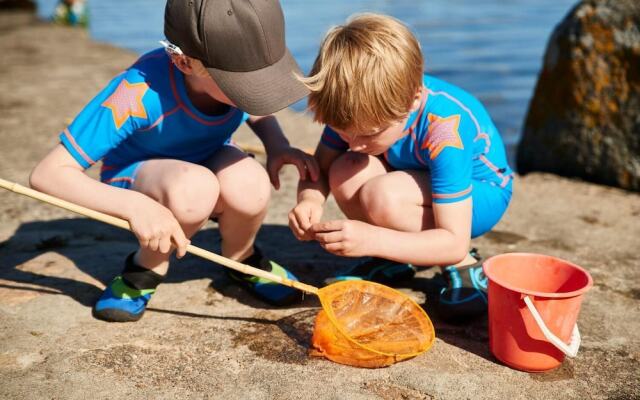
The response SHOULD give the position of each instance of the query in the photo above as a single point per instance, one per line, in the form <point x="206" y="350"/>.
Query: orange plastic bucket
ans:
<point x="534" y="301"/>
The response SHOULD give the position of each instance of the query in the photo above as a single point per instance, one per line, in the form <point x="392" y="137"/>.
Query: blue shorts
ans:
<point x="124" y="177"/>
<point x="489" y="205"/>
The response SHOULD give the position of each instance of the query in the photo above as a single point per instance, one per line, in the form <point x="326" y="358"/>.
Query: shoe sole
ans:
<point x="114" y="315"/>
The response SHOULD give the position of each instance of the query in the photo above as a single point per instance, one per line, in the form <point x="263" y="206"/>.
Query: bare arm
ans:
<point x="446" y="244"/>
<point x="268" y="131"/>
<point x="319" y="190"/>
<point x="279" y="151"/>
<point x="312" y="196"/>
<point x="60" y="175"/>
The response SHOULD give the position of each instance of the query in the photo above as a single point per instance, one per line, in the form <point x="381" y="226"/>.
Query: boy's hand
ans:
<point x="306" y="164"/>
<point x="157" y="229"/>
<point x="303" y="216"/>
<point x="349" y="238"/>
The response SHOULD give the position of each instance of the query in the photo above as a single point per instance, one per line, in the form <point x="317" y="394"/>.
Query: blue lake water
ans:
<point x="491" y="48"/>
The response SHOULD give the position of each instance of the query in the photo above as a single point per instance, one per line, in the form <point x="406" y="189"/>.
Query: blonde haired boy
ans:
<point x="415" y="163"/>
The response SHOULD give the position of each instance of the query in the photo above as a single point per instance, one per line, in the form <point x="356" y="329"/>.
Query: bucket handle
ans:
<point x="570" y="349"/>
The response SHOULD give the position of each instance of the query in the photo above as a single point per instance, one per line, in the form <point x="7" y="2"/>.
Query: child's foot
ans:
<point x="465" y="297"/>
<point x="266" y="290"/>
<point x="126" y="297"/>
<point x="377" y="270"/>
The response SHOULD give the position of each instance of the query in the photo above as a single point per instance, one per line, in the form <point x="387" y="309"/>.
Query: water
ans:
<point x="491" y="48"/>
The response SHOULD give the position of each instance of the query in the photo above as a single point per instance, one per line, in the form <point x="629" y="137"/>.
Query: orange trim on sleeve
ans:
<point x="505" y="178"/>
<point x="452" y="195"/>
<point x="119" y="179"/>
<point x="75" y="145"/>
<point x="484" y="136"/>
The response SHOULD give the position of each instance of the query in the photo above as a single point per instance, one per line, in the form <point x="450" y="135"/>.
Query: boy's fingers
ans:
<point x="330" y="237"/>
<point x="312" y="168"/>
<point x="302" y="168"/>
<point x="303" y="221"/>
<point x="293" y="224"/>
<point x="181" y="243"/>
<point x="314" y="216"/>
<point x="164" y="245"/>
<point x="335" y="248"/>
<point x="273" y="171"/>
<point x="327" y="226"/>
<point x="179" y="236"/>
<point x="153" y="244"/>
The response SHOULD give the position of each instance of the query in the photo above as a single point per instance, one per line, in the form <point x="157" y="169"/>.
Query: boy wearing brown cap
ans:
<point x="162" y="129"/>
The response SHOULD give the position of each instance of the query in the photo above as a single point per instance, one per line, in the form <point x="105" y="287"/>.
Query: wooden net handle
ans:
<point x="121" y="223"/>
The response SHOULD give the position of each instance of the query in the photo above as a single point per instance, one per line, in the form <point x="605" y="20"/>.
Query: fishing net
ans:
<point x="365" y="324"/>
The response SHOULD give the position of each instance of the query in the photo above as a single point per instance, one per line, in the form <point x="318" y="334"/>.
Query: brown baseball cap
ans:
<point x="242" y="45"/>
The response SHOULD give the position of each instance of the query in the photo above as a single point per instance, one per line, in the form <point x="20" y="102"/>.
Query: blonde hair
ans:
<point x="366" y="73"/>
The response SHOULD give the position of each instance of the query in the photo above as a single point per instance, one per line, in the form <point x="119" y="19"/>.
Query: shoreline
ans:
<point x="205" y="337"/>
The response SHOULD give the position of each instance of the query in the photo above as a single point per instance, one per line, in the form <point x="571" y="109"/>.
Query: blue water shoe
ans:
<point x="264" y="289"/>
<point x="465" y="296"/>
<point x="126" y="297"/>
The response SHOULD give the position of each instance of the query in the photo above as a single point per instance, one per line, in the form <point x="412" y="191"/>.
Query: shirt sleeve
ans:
<point x="109" y="118"/>
<point x="450" y="159"/>
<point x="330" y="138"/>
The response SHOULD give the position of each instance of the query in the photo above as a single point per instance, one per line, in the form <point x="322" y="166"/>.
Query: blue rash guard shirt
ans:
<point x="452" y="137"/>
<point x="144" y="113"/>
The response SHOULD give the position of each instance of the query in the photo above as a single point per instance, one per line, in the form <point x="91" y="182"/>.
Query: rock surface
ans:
<point x="584" y="118"/>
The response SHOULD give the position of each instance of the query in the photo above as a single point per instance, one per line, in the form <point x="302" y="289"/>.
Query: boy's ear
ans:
<point x="183" y="63"/>
<point x="417" y="100"/>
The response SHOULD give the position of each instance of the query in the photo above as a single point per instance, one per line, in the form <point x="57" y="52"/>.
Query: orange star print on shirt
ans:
<point x="442" y="133"/>
<point x="126" y="101"/>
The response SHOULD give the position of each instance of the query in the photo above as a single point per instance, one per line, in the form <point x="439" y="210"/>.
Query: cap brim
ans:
<point x="264" y="91"/>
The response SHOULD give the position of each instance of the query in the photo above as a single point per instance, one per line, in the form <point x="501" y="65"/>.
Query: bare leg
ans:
<point x="245" y="191"/>
<point x="401" y="200"/>
<point x="365" y="190"/>
<point x="347" y="175"/>
<point x="189" y="190"/>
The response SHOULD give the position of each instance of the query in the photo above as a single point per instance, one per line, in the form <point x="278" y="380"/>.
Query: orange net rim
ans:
<point x="327" y="308"/>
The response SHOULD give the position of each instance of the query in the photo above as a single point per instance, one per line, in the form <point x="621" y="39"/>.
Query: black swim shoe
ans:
<point x="271" y="292"/>
<point x="465" y="296"/>
<point x="126" y="297"/>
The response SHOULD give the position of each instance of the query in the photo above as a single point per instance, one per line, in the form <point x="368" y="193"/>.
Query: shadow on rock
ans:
<point x="99" y="250"/>
<point x="470" y="335"/>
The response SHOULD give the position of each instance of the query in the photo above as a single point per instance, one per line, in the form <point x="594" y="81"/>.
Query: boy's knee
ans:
<point x="248" y="190"/>
<point x="192" y="194"/>
<point x="344" y="167"/>
<point x="378" y="203"/>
